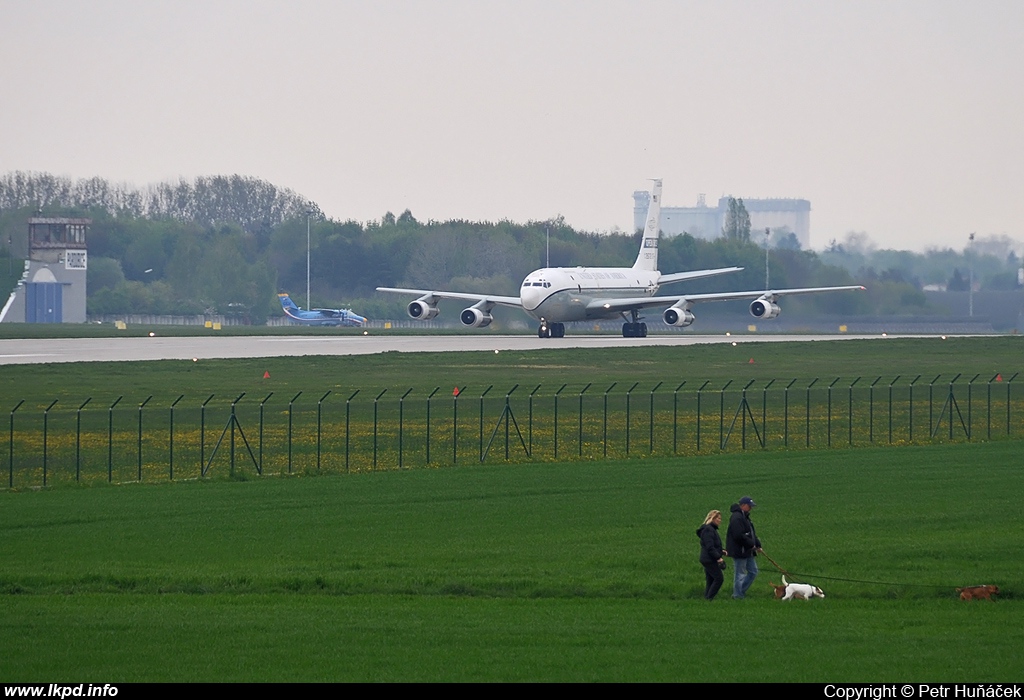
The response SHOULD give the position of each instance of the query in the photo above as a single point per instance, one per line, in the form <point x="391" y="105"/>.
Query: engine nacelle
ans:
<point x="762" y="308"/>
<point x="421" y="310"/>
<point x="678" y="316"/>
<point x="475" y="318"/>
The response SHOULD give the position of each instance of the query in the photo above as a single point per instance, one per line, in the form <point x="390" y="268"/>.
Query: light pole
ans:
<point x="767" y="234"/>
<point x="307" y="259"/>
<point x="970" y="284"/>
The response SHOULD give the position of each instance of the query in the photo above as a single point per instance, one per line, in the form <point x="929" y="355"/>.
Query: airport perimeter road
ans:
<point x="14" y="352"/>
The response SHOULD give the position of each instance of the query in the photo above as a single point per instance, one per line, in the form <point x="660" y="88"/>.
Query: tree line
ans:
<point x="229" y="244"/>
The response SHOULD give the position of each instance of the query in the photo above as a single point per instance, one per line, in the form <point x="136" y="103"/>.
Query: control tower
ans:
<point x="53" y="287"/>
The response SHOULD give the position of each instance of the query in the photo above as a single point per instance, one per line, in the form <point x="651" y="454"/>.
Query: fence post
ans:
<point x="110" y="440"/>
<point x="807" y="427"/>
<point x="429" y="397"/>
<point x="849" y="409"/>
<point x="78" y="441"/>
<point x="698" y="411"/>
<point x="556" y="419"/>
<point x="535" y="390"/>
<point x="234" y="423"/>
<point x="675" y="419"/>
<point x="170" y="436"/>
<point x="630" y="391"/>
<point x="785" y="412"/>
<point x="1008" y="401"/>
<point x="829" y="441"/>
<point x="319" y="404"/>
<point x="139" y="451"/>
<point x="10" y="448"/>
<point x="202" y="436"/>
<point x="951" y="403"/>
<point x="721" y="415"/>
<point x="481" y="451"/>
<point x="46" y="415"/>
<point x="970" y="407"/>
<point x="871" y="411"/>
<point x="347" y="402"/>
<point x="290" y="403"/>
<point x="745" y="410"/>
<point x="650" y="449"/>
<point x="508" y="419"/>
<point x="401" y="427"/>
<point x="261" y="428"/>
<point x="579" y="435"/>
<point x="375" y="428"/>
<point x="456" y="392"/>
<point x="890" y="406"/>
<point x="931" y="419"/>
<point x="911" y="416"/>
<point x="764" y="415"/>
<point x="604" y="436"/>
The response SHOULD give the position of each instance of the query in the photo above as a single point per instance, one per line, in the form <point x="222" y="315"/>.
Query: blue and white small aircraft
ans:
<point x="320" y="317"/>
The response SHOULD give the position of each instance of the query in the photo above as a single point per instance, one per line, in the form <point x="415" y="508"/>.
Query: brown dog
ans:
<point x="977" y="592"/>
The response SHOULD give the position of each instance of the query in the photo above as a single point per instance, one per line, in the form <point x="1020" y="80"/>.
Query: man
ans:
<point x="742" y="544"/>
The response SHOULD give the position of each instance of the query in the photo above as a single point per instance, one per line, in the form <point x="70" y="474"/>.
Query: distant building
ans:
<point x="702" y="221"/>
<point x="53" y="287"/>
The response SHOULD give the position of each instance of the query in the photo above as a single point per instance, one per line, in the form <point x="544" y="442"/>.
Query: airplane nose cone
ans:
<point x="531" y="297"/>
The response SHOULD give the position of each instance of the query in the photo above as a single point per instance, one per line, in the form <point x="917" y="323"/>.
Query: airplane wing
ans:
<point x="695" y="275"/>
<point x="629" y="304"/>
<point x="433" y="297"/>
<point x="333" y="313"/>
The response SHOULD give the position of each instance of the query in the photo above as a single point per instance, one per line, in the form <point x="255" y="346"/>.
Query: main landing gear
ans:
<point x="635" y="328"/>
<point x="551" y="330"/>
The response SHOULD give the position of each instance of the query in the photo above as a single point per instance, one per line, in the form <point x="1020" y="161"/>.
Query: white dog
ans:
<point x="800" y="590"/>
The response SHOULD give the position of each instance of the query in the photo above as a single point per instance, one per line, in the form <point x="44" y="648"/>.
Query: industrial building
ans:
<point x="702" y="221"/>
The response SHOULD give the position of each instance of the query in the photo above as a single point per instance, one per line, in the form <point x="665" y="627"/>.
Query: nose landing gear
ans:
<point x="551" y="330"/>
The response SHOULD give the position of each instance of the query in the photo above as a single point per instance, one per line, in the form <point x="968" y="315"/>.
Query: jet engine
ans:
<point x="422" y="310"/>
<point x="763" y="308"/>
<point x="475" y="318"/>
<point x="678" y="316"/>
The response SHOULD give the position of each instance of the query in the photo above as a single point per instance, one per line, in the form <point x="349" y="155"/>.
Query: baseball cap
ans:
<point x="747" y="500"/>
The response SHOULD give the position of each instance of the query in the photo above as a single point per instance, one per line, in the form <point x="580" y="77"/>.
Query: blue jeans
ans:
<point x="745" y="571"/>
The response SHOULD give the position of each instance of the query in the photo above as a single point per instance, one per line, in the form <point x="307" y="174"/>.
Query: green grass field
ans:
<point x="580" y="571"/>
<point x="533" y="571"/>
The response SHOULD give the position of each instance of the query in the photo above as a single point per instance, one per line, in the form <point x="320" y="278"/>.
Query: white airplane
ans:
<point x="556" y="295"/>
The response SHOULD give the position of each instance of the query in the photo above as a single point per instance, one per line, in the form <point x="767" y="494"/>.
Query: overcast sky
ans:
<point x="902" y="119"/>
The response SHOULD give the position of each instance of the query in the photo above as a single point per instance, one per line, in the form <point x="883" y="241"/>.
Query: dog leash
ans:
<point x="850" y="580"/>
<point x="774" y="563"/>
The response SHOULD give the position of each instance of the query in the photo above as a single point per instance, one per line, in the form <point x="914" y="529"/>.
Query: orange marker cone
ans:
<point x="266" y="375"/>
<point x="999" y="377"/>
<point x="455" y="391"/>
<point x="751" y="361"/>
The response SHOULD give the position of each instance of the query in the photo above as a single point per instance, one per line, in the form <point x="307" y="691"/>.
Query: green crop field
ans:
<point x="528" y="572"/>
<point x="541" y="570"/>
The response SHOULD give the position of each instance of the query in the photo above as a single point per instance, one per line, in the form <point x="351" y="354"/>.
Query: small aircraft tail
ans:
<point x="286" y="303"/>
<point x="647" y="258"/>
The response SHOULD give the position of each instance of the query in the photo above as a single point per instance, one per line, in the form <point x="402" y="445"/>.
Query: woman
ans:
<point x="711" y="553"/>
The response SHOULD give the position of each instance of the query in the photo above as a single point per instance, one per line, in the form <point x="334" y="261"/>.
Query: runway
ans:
<point x="36" y="351"/>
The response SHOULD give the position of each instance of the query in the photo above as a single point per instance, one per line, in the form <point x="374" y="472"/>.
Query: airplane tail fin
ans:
<point x="286" y="303"/>
<point x="647" y="258"/>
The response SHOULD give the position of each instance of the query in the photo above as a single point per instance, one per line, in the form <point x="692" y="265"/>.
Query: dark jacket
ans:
<point x="740" y="538"/>
<point x="710" y="543"/>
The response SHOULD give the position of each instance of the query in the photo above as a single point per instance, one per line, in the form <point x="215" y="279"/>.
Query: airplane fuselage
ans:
<point x="562" y="294"/>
